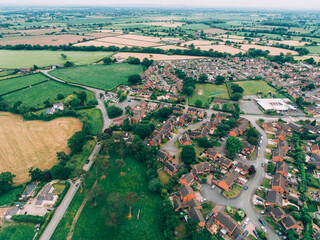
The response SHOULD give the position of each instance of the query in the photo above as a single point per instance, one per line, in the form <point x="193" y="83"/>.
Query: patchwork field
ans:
<point x="291" y="42"/>
<point x="204" y="91"/>
<point x="156" y="57"/>
<point x="35" y="96"/>
<point x="25" y="59"/>
<point x="25" y="144"/>
<point x="128" y="42"/>
<point x="272" y="50"/>
<point x="214" y="31"/>
<point x="167" y="47"/>
<point x="99" y="75"/>
<point x="165" y="24"/>
<point x="221" y="48"/>
<point x="252" y="87"/>
<point x="97" y="43"/>
<point x="12" y="84"/>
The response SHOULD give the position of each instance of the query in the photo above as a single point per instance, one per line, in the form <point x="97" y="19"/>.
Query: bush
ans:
<point x="114" y="111"/>
<point x="28" y="219"/>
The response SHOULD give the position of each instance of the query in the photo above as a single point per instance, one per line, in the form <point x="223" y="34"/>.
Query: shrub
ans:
<point x="28" y="219"/>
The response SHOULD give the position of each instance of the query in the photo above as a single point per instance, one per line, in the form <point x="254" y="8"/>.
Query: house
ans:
<point x="242" y="168"/>
<point x="277" y="155"/>
<point x="46" y="196"/>
<point x="267" y="125"/>
<point x="225" y="221"/>
<point x="177" y="110"/>
<point x="28" y="192"/>
<point x="195" y="214"/>
<point x="225" y="162"/>
<point x="228" y="180"/>
<point x="163" y="156"/>
<point x="186" y="194"/>
<point x="289" y="223"/>
<point x="274" y="198"/>
<point x="240" y="129"/>
<point x="169" y="168"/>
<point x="186" y="179"/>
<point x="282" y="168"/>
<point x="276" y="213"/>
<point x="315" y="160"/>
<point x="155" y="141"/>
<point x="281" y="125"/>
<point x="201" y="113"/>
<point x="192" y="111"/>
<point x="202" y="168"/>
<point x="185" y="139"/>
<point x="177" y="204"/>
<point x="194" y="204"/>
<point x="221" y="116"/>
<point x="248" y="148"/>
<point x="278" y="183"/>
<point x="56" y="107"/>
<point x="283" y="144"/>
<point x="280" y="135"/>
<point x="295" y="127"/>
<point x="315" y="149"/>
<point x="211" y="153"/>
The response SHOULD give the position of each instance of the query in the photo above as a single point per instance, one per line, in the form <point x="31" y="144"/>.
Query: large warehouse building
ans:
<point x="276" y="104"/>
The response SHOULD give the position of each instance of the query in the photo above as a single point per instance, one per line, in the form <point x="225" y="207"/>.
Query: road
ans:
<point x="309" y="93"/>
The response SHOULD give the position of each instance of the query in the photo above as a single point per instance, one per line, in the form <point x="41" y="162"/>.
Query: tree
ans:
<point x="130" y="199"/>
<point x="198" y="103"/>
<point x="230" y="209"/>
<point x="134" y="79"/>
<point x="62" y="156"/>
<point x="188" y="154"/>
<point x="154" y="185"/>
<point x="233" y="145"/>
<point x="236" y="88"/>
<point x="252" y="170"/>
<point x="271" y="168"/>
<point x="75" y="102"/>
<point x="82" y="95"/>
<point x="236" y="96"/>
<point x="95" y="194"/>
<point x="299" y="101"/>
<point x="146" y="62"/>
<point x="60" y="96"/>
<point x="76" y="142"/>
<point x="241" y="213"/>
<point x="107" y="60"/>
<point x="203" y="142"/>
<point x="203" y="78"/>
<point x="220" y="79"/>
<point x="120" y="164"/>
<point x="114" y="111"/>
<point x="164" y="113"/>
<point x="60" y="172"/>
<point x="102" y="164"/>
<point x="36" y="174"/>
<point x="83" y="175"/>
<point x="143" y="130"/>
<point x="6" y="181"/>
<point x="63" y="56"/>
<point x="68" y="64"/>
<point x="114" y="210"/>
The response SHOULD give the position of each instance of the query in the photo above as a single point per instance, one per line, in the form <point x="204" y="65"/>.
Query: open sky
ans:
<point x="271" y="4"/>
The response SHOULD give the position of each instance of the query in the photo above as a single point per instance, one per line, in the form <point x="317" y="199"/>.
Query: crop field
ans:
<point x="314" y="49"/>
<point x="291" y="42"/>
<point x="204" y="91"/>
<point x="214" y="31"/>
<point x="272" y="50"/>
<point x="165" y="24"/>
<point x="221" y="48"/>
<point x="133" y="180"/>
<point x="6" y="72"/>
<point x="12" y="84"/>
<point x="252" y="87"/>
<point x="35" y="96"/>
<point x="97" y="43"/>
<point x="99" y="75"/>
<point x="25" y="144"/>
<point x="156" y="57"/>
<point x="128" y="42"/>
<point x="26" y="59"/>
<point x="167" y="47"/>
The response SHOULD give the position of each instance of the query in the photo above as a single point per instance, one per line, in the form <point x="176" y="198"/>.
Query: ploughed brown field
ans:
<point x="25" y="144"/>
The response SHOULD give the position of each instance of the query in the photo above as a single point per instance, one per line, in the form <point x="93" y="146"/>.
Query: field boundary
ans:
<point x="17" y="90"/>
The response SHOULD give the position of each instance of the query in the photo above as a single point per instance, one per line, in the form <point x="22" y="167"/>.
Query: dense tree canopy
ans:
<point x="188" y="154"/>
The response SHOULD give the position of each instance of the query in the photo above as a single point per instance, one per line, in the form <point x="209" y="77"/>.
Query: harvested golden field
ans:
<point x="214" y="31"/>
<point x="272" y="50"/>
<point x="165" y="24"/>
<point x="25" y="144"/>
<point x="54" y="40"/>
<point x="141" y="38"/>
<point x="221" y="48"/>
<point x="127" y="42"/>
<point x="156" y="57"/>
<point x="97" y="43"/>
<point x="167" y="47"/>
<point x="291" y="42"/>
<point x="233" y="40"/>
<point x="198" y="43"/>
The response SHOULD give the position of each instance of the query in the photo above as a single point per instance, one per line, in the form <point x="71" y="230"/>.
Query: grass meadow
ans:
<point x="35" y="96"/>
<point x="100" y="76"/>
<point x="92" y="223"/>
<point x="41" y="58"/>
<point x="17" y="231"/>
<point x="12" y="84"/>
<point x="252" y="87"/>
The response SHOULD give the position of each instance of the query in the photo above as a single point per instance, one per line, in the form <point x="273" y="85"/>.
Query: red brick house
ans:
<point x="315" y="149"/>
<point x="169" y="168"/>
<point x="282" y="168"/>
<point x="192" y="111"/>
<point x="283" y="144"/>
<point x="278" y="183"/>
<point x="211" y="153"/>
<point x="185" y="139"/>
<point x="177" y="110"/>
<point x="289" y="223"/>
<point x="277" y="155"/>
<point x="195" y="214"/>
<point x="267" y="125"/>
<point x="186" y="194"/>
<point x="163" y="156"/>
<point x="228" y="180"/>
<point x="223" y="220"/>
<point x="186" y="179"/>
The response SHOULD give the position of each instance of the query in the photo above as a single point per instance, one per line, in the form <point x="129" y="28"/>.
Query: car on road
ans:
<point x="262" y="222"/>
<point x="203" y="200"/>
<point x="245" y="233"/>
<point x="262" y="212"/>
<point x="25" y="213"/>
<point x="256" y="233"/>
<point x="213" y="187"/>
<point x="21" y="207"/>
<point x="263" y="229"/>
<point x="129" y="100"/>
<point x="262" y="165"/>
<point x="245" y="187"/>
<point x="87" y="161"/>
<point x="246" y="221"/>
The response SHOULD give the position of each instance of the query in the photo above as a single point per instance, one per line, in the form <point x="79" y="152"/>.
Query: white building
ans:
<point x="276" y="104"/>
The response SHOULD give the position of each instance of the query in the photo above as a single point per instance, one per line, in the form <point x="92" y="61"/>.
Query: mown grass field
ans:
<point x="17" y="231"/>
<point x="204" y="91"/>
<point x="26" y="59"/>
<point x="92" y="223"/>
<point x="6" y="72"/>
<point x="314" y="49"/>
<point x="35" y="96"/>
<point x="99" y="75"/>
<point x="12" y="84"/>
<point x="252" y="87"/>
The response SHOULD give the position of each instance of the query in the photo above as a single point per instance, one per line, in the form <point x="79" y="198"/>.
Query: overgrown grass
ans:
<point x="266" y="183"/>
<point x="233" y="192"/>
<point x="95" y="119"/>
<point x="17" y="231"/>
<point x="163" y="176"/>
<point x="9" y="197"/>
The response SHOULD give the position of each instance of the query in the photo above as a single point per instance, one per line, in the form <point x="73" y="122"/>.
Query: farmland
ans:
<point x="99" y="75"/>
<point x="25" y="58"/>
<point x="204" y="91"/>
<point x="133" y="180"/>
<point x="35" y="96"/>
<point x="25" y="144"/>
<point x="272" y="50"/>
<point x="252" y="87"/>
<point x="20" y="82"/>
<point x="156" y="57"/>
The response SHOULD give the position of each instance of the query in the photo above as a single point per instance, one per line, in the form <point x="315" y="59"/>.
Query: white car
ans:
<point x="263" y="229"/>
<point x="203" y="200"/>
<point x="246" y="221"/>
<point x="213" y="187"/>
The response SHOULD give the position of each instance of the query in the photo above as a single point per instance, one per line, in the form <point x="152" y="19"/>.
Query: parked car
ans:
<point x="245" y="187"/>
<point x="245" y="233"/>
<point x="263" y="229"/>
<point x="262" y="222"/>
<point x="87" y="161"/>
<point x="256" y="233"/>
<point x="213" y="187"/>
<point x="247" y="220"/>
<point x="262" y="212"/>
<point x="203" y="200"/>
<point x="21" y="207"/>
<point x="243" y="225"/>
<point x="262" y="164"/>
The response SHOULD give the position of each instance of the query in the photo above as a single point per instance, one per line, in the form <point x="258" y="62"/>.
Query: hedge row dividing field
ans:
<point x="100" y="76"/>
<point x="13" y="84"/>
<point x="35" y="96"/>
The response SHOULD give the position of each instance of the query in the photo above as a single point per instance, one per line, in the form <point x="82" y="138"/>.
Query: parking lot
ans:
<point x="249" y="107"/>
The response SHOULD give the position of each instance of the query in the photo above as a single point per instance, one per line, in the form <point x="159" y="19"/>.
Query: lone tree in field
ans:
<point x="134" y="79"/>
<point x="107" y="61"/>
<point x="36" y="174"/>
<point x="115" y="209"/>
<point x="233" y="145"/>
<point x="102" y="165"/>
<point x="188" y="154"/>
<point x="63" y="56"/>
<point x="95" y="194"/>
<point x="131" y="198"/>
<point x="120" y="164"/>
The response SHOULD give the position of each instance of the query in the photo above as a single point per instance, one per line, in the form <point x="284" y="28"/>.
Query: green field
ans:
<point x="99" y="75"/>
<point x="25" y="58"/>
<point x="6" y="72"/>
<point x="17" y="231"/>
<point x="20" y="82"/>
<point x="252" y="87"/>
<point x="204" y="91"/>
<point x="314" y="49"/>
<point x="35" y="96"/>
<point x="92" y="223"/>
<point x="95" y="119"/>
